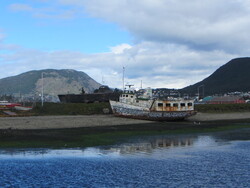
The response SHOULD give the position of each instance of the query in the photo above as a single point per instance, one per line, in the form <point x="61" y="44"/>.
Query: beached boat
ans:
<point x="8" y="105"/>
<point x="152" y="108"/>
<point x="23" y="108"/>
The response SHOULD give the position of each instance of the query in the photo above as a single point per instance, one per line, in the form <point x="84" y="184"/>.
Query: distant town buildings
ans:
<point x="224" y="100"/>
<point x="228" y="98"/>
<point x="162" y="93"/>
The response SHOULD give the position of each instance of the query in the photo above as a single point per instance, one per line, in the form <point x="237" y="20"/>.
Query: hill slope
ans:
<point x="54" y="82"/>
<point x="233" y="76"/>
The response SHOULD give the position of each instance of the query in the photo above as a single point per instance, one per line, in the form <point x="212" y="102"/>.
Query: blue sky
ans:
<point x="83" y="33"/>
<point x="164" y="43"/>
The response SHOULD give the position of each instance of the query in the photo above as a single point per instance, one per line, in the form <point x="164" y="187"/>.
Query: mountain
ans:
<point x="231" y="77"/>
<point x="54" y="82"/>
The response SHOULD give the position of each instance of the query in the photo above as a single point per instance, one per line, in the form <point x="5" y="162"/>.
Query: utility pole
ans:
<point x="42" y="89"/>
<point x="199" y="91"/>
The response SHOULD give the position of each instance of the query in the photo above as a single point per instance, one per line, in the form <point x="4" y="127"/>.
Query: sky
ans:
<point x="160" y="43"/>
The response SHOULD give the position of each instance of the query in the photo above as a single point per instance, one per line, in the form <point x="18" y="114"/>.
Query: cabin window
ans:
<point x="167" y="104"/>
<point x="126" y="95"/>
<point x="131" y="96"/>
<point x="183" y="104"/>
<point x="175" y="105"/>
<point x="160" y="104"/>
<point x="190" y="104"/>
<point x="123" y="95"/>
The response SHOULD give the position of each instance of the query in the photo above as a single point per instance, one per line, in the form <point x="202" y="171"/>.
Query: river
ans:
<point x="193" y="160"/>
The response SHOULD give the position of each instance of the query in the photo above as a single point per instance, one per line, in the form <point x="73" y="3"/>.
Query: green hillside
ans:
<point x="231" y="77"/>
<point x="54" y="82"/>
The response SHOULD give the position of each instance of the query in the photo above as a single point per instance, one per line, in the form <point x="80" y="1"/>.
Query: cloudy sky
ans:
<point x="163" y="43"/>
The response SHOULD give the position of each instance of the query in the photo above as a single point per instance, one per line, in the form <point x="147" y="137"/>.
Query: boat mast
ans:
<point x="103" y="81"/>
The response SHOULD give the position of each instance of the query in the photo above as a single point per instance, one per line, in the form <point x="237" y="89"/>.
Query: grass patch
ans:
<point x="222" y="108"/>
<point x="63" y="109"/>
<point x="70" y="108"/>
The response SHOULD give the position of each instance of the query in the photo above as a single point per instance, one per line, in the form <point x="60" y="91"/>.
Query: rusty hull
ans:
<point x="152" y="115"/>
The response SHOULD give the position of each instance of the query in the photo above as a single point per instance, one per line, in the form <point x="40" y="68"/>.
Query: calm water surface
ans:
<point x="199" y="160"/>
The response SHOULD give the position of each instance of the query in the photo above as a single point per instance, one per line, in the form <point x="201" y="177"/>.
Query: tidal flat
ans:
<point x="107" y="135"/>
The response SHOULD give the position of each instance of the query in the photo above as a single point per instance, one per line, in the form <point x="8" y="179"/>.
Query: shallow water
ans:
<point x="199" y="160"/>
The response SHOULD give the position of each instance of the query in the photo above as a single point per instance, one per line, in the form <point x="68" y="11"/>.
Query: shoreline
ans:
<point x="83" y="121"/>
<point x="101" y="130"/>
<point x="205" y="117"/>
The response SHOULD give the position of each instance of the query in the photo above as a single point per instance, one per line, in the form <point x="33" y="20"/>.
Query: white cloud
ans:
<point x="201" y="25"/>
<point x="177" y="43"/>
<point x="120" y="48"/>
<point x="156" y="64"/>
<point x="207" y="24"/>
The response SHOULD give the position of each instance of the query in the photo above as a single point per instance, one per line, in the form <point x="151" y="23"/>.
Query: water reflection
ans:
<point x="149" y="144"/>
<point x="198" y="160"/>
<point x="146" y="145"/>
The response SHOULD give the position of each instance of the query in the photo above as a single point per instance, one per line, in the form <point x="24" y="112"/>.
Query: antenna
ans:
<point x="141" y="84"/>
<point x="129" y="85"/>
<point x="123" y="71"/>
<point x="103" y="80"/>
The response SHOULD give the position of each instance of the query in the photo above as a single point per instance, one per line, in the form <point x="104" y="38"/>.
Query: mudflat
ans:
<point x="61" y="122"/>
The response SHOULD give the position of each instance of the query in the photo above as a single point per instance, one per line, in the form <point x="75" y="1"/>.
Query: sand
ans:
<point x="59" y="122"/>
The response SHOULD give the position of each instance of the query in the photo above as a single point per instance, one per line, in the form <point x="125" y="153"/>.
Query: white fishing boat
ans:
<point x="151" y="108"/>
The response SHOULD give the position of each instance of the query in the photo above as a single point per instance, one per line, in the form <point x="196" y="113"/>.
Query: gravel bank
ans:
<point x="58" y="122"/>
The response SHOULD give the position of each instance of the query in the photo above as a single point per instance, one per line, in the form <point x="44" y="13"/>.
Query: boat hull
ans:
<point x="130" y="111"/>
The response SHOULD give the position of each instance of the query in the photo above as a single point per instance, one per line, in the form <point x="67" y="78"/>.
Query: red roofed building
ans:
<point x="226" y="100"/>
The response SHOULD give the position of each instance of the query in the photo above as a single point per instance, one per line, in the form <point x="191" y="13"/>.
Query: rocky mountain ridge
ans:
<point x="51" y="81"/>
